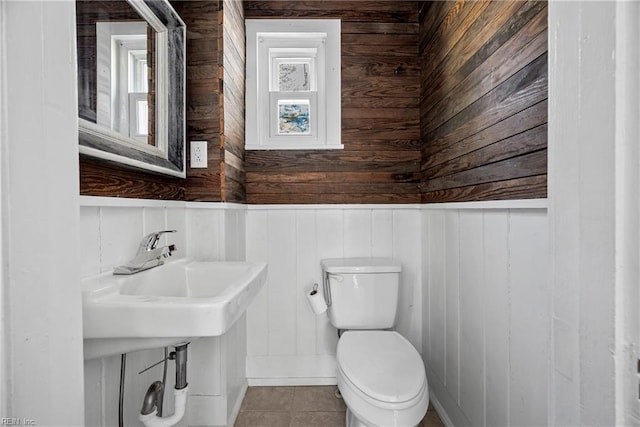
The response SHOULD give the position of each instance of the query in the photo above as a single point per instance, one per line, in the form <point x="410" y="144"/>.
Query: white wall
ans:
<point x="593" y="195"/>
<point x="110" y="231"/>
<point x="627" y="160"/>
<point x="582" y="203"/>
<point x="591" y="312"/>
<point x="475" y="299"/>
<point x="486" y="312"/>
<point x="41" y="315"/>
<point x="287" y="343"/>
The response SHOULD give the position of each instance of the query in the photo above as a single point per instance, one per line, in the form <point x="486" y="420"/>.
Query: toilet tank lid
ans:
<point x="361" y="265"/>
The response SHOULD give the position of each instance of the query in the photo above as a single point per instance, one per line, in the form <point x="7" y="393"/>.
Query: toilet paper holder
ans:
<point x="315" y="289"/>
<point x="316" y="301"/>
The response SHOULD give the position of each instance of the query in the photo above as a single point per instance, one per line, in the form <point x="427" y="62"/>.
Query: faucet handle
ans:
<point x="150" y="241"/>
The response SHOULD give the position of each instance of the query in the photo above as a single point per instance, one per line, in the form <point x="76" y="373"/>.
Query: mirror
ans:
<point x="131" y="83"/>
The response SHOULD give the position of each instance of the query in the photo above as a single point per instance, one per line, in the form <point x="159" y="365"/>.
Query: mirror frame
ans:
<point x="168" y="155"/>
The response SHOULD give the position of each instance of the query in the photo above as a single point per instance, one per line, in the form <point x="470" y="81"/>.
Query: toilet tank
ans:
<point x="362" y="293"/>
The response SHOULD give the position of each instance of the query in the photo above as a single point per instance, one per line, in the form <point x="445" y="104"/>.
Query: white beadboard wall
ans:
<point x="287" y="343"/>
<point x="110" y="232"/>
<point x="41" y="312"/>
<point x="475" y="301"/>
<point x="486" y="312"/>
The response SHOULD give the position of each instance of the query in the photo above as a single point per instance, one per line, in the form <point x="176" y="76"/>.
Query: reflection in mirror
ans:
<point x="131" y="83"/>
<point x="115" y="68"/>
<point x="122" y="104"/>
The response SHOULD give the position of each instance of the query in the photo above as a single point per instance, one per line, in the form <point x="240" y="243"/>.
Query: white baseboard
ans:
<point x="445" y="405"/>
<point x="231" y="418"/>
<point x="291" y="370"/>
<point x="259" y="382"/>
<point x="444" y="417"/>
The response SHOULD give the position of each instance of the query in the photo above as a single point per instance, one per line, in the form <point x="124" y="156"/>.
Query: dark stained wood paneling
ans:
<point x="100" y="178"/>
<point x="519" y="188"/>
<point x="483" y="100"/>
<point x="397" y="187"/>
<point x="335" y="198"/>
<point x="208" y="117"/>
<point x="525" y="88"/>
<point x="204" y="104"/>
<point x="516" y="145"/>
<point x="530" y="164"/>
<point x="529" y="118"/>
<point x="476" y="67"/>
<point x="441" y="101"/>
<point x="348" y="10"/>
<point x="233" y="42"/>
<point x="380" y="112"/>
<point x="302" y="161"/>
<point x="333" y="177"/>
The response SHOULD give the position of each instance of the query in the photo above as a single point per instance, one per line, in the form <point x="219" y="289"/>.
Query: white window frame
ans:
<point x="313" y="40"/>
<point x="114" y="42"/>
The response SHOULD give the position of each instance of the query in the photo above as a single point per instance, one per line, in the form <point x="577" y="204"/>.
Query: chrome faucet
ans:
<point x="149" y="254"/>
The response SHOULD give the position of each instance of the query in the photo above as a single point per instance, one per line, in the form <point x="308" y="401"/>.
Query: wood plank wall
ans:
<point x="107" y="179"/>
<point x="380" y="112"/>
<point x="483" y="100"/>
<point x="441" y="101"/>
<point x="97" y="177"/>
<point x="203" y="95"/>
<point x="100" y="178"/>
<point x="232" y="138"/>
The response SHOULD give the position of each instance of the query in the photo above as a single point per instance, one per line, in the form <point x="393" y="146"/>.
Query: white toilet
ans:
<point x="380" y="374"/>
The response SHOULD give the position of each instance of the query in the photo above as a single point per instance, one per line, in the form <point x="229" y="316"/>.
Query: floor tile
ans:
<point x="301" y="406"/>
<point x="316" y="398"/>
<point x="263" y="419"/>
<point x="318" y="419"/>
<point x="431" y="420"/>
<point x="268" y="399"/>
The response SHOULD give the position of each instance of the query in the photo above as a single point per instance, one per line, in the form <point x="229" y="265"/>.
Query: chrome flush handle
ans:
<point x="326" y="286"/>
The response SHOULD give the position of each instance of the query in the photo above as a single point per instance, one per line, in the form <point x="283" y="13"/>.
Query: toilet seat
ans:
<point x="381" y="364"/>
<point x="382" y="377"/>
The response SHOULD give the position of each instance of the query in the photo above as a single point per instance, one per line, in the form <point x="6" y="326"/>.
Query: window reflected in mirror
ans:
<point x="116" y="68"/>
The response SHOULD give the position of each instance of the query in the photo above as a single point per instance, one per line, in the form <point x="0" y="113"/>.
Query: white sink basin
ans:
<point x="173" y="303"/>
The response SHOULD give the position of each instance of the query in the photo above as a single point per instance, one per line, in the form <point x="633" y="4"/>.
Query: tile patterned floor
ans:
<point x="308" y="406"/>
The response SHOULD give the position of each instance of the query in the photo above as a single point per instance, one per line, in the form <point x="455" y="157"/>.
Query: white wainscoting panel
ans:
<point x="474" y="299"/>
<point x="287" y="343"/>
<point x="486" y="325"/>
<point x="110" y="231"/>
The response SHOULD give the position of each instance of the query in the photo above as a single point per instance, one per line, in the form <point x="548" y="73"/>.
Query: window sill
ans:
<point x="295" y="147"/>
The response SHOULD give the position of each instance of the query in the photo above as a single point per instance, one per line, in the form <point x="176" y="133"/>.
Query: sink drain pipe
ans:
<point x="123" y="367"/>
<point x="149" y="413"/>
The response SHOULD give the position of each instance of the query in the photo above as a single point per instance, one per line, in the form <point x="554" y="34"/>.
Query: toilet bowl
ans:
<point x="380" y="374"/>
<point x="381" y="378"/>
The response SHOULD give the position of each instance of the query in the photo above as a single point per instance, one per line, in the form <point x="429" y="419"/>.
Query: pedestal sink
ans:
<point x="167" y="305"/>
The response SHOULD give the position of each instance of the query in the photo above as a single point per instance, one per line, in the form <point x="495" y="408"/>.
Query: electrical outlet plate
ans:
<point x="198" y="154"/>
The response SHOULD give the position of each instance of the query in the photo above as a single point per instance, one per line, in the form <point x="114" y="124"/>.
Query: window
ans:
<point x="293" y="84"/>
<point x="122" y="100"/>
<point x="138" y="89"/>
